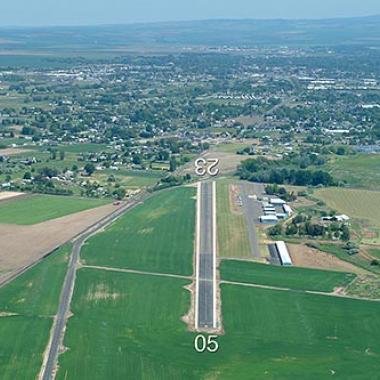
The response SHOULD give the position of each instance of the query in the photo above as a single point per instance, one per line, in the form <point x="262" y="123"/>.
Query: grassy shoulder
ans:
<point x="156" y="236"/>
<point x="27" y="306"/>
<point x="289" y="277"/>
<point x="232" y="228"/>
<point x="39" y="208"/>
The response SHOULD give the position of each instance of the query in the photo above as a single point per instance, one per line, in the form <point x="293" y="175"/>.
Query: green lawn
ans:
<point x="232" y="228"/>
<point x="289" y="277"/>
<point x="129" y="326"/>
<point x="33" y="299"/>
<point x="39" y="208"/>
<point x="156" y="236"/>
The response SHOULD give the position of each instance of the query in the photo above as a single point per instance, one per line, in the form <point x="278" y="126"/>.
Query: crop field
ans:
<point x="156" y="236"/>
<point x="85" y="148"/>
<point x="285" y="335"/>
<point x="129" y="326"/>
<point x="130" y="179"/>
<point x="26" y="308"/>
<point x="232" y="229"/>
<point x="40" y="208"/>
<point x="363" y="205"/>
<point x="289" y="277"/>
<point x="361" y="170"/>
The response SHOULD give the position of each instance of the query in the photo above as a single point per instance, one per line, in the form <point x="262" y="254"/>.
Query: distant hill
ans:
<point x="212" y="33"/>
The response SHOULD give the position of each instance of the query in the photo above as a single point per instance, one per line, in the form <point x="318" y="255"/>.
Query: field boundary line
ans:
<point x="313" y="292"/>
<point x="135" y="271"/>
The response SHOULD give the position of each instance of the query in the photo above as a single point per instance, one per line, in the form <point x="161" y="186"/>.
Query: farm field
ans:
<point x="361" y="170"/>
<point x="84" y="148"/>
<point x="156" y="236"/>
<point x="363" y="205"/>
<point x="292" y="278"/>
<point x="35" y="241"/>
<point x="232" y="229"/>
<point x="27" y="306"/>
<point x="123" y="327"/>
<point x="130" y="178"/>
<point x="39" y="208"/>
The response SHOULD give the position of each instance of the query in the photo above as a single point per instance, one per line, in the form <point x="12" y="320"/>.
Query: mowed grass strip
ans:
<point x="40" y="208"/>
<point x="27" y="306"/>
<point x="129" y="326"/>
<point x="232" y="228"/>
<point x="289" y="277"/>
<point x="156" y="236"/>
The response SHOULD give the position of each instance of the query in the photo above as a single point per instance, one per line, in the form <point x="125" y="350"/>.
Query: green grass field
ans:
<point x="232" y="229"/>
<point x="156" y="236"/>
<point x="40" y="208"/>
<point x="129" y="326"/>
<point x="289" y="277"/>
<point x="84" y="148"/>
<point x="360" y="170"/>
<point x="130" y="178"/>
<point x="363" y="205"/>
<point x="26" y="308"/>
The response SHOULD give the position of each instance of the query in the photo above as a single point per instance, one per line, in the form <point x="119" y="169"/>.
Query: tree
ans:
<point x="345" y="233"/>
<point x="28" y="175"/>
<point x="119" y="193"/>
<point x="89" y="169"/>
<point x="173" y="164"/>
<point x="136" y="159"/>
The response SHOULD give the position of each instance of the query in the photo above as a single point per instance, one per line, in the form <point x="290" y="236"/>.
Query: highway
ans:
<point x="56" y="338"/>
<point x="206" y="258"/>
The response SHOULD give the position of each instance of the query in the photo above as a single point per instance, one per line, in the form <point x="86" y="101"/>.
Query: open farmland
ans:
<point x="232" y="229"/>
<point x="27" y="306"/>
<point x="363" y="205"/>
<point x="35" y="241"/>
<point x="128" y="325"/>
<point x="39" y="208"/>
<point x="361" y="170"/>
<point x="289" y="277"/>
<point x="156" y="236"/>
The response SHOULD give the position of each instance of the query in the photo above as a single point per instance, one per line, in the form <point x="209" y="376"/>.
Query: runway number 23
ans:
<point x="209" y="166"/>
<point x="201" y="344"/>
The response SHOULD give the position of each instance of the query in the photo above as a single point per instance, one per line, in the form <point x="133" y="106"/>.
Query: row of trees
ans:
<point x="277" y="172"/>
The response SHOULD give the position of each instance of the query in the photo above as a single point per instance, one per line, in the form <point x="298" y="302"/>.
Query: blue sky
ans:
<point x="88" y="12"/>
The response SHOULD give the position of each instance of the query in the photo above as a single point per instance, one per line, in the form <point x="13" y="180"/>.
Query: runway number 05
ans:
<point x="209" y="166"/>
<point x="201" y="344"/>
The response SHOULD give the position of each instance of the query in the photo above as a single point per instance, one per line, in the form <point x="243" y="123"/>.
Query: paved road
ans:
<point x="48" y="370"/>
<point x="206" y="258"/>
<point x="252" y="211"/>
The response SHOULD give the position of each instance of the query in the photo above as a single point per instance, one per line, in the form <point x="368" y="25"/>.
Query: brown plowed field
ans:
<point x="21" y="246"/>
<point x="306" y="257"/>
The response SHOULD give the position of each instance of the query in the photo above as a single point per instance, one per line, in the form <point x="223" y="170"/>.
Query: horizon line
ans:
<point x="132" y="23"/>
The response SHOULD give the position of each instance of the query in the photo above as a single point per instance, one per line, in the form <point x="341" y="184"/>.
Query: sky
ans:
<point x="93" y="12"/>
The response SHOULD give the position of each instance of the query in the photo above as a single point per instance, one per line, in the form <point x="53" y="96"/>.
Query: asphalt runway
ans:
<point x="206" y="259"/>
